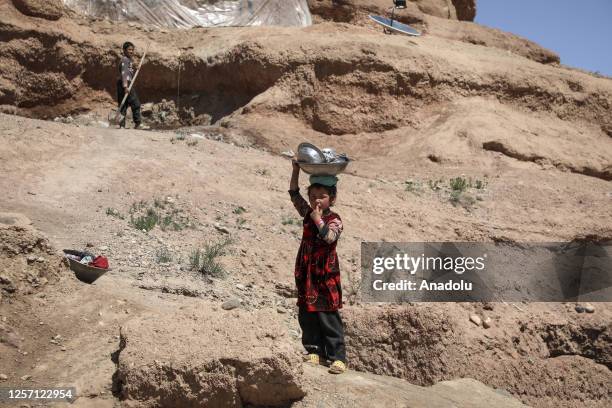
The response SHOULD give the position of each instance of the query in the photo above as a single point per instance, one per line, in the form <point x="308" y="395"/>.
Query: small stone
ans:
<point x="281" y="310"/>
<point x="3" y="377"/>
<point x="31" y="259"/>
<point x="221" y="228"/>
<point x="589" y="308"/>
<point x="240" y="286"/>
<point x="488" y="306"/>
<point x="63" y="349"/>
<point x="579" y="309"/>
<point x="486" y="323"/>
<point x="231" y="304"/>
<point x="475" y="319"/>
<point x="103" y="248"/>
<point x="26" y="377"/>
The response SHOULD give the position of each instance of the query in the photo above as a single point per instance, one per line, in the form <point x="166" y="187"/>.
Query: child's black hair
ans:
<point x="331" y="191"/>
<point x="127" y="44"/>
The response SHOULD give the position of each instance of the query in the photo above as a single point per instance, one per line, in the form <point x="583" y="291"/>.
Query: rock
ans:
<point x="486" y="323"/>
<point x="47" y="9"/>
<point x="152" y="366"/>
<point x="103" y="248"/>
<point x="475" y="319"/>
<point x="285" y="290"/>
<point x="240" y="286"/>
<point x="26" y="377"/>
<point x="3" y="377"/>
<point x="5" y="280"/>
<point x="288" y="153"/>
<point x="231" y="304"/>
<point x="465" y="9"/>
<point x="147" y="109"/>
<point x="31" y="259"/>
<point x="221" y="228"/>
<point x="579" y="309"/>
<point x="589" y="308"/>
<point x="364" y="390"/>
<point x="10" y="338"/>
<point x="281" y="310"/>
<point x="488" y="306"/>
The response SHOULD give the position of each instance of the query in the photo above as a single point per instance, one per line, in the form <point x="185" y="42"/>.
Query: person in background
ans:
<point x="126" y="75"/>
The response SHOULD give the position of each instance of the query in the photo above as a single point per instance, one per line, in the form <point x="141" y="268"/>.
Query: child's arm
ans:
<point x="298" y="201"/>
<point x="331" y="231"/>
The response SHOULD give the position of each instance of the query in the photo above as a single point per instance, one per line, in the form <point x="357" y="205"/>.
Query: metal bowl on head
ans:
<point x="309" y="153"/>
<point x="324" y="169"/>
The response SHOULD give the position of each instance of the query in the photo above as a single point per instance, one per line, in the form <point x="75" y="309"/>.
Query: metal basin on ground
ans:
<point x="84" y="273"/>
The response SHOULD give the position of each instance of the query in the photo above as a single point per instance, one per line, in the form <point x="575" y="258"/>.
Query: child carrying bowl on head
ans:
<point x="317" y="272"/>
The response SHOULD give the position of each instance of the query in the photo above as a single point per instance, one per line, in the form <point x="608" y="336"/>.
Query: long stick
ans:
<point x="134" y="79"/>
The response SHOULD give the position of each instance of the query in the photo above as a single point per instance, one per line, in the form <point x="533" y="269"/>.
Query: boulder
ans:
<point x="204" y="358"/>
<point x="355" y="389"/>
<point x="465" y="9"/>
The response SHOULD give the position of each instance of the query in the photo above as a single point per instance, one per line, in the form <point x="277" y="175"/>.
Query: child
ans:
<point x="126" y="74"/>
<point x="317" y="273"/>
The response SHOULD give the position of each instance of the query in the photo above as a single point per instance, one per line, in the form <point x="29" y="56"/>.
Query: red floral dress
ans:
<point x="317" y="272"/>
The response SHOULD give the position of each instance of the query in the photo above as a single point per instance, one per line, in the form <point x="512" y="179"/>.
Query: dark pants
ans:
<point x="131" y="101"/>
<point x="323" y="334"/>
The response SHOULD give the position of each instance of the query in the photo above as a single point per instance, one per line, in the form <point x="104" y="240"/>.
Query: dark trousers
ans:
<point x="132" y="101"/>
<point x="323" y="334"/>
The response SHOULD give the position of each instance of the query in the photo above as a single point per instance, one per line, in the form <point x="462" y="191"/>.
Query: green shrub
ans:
<point x="145" y="222"/>
<point x="205" y="260"/>
<point x="459" y="184"/>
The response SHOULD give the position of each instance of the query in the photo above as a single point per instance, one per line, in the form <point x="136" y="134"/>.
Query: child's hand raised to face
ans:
<point x="317" y="212"/>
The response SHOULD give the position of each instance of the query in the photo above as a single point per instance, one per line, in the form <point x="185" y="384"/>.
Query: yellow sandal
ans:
<point x="338" y="367"/>
<point x="312" y="359"/>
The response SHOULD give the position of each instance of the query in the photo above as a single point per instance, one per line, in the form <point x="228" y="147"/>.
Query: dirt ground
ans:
<point x="412" y="113"/>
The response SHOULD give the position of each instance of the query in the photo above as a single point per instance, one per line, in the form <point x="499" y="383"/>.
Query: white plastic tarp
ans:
<point x="205" y="13"/>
